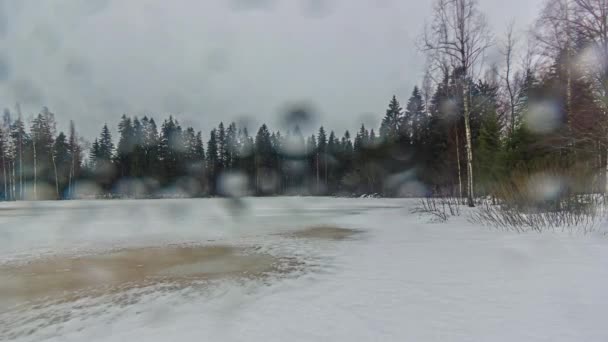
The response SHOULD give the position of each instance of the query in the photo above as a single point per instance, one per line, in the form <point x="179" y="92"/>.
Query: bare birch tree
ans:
<point x="589" y="20"/>
<point x="511" y="77"/>
<point x="554" y="36"/>
<point x="459" y="32"/>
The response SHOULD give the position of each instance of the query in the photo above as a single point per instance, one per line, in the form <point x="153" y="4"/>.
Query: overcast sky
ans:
<point x="207" y="61"/>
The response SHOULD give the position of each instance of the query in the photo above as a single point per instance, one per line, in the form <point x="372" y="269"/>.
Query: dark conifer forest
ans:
<point x="466" y="130"/>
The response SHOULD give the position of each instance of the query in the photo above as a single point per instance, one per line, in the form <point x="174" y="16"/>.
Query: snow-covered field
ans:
<point x="398" y="278"/>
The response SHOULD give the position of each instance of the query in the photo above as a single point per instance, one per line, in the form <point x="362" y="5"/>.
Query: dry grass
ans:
<point x="439" y="207"/>
<point x="546" y="200"/>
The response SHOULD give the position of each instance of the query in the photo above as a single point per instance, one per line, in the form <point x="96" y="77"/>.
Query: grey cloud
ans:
<point x="91" y="7"/>
<point x="113" y="105"/>
<point x="26" y="92"/>
<point x="75" y="9"/>
<point x="44" y="36"/>
<point x="5" y="69"/>
<point x="216" y="60"/>
<point x="253" y="4"/>
<point x="3" y="20"/>
<point x="175" y="103"/>
<point x="77" y="67"/>
<point x="316" y="8"/>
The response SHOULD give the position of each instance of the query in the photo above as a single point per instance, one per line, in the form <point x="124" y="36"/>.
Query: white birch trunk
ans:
<point x="468" y="145"/>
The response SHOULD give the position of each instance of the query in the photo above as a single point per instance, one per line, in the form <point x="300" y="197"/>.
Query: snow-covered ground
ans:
<point x="400" y="279"/>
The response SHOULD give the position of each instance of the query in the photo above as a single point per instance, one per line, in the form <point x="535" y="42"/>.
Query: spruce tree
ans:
<point x="212" y="160"/>
<point x="124" y="149"/>
<point x="416" y="122"/>
<point x="488" y="159"/>
<point x="61" y="150"/>
<point x="391" y="123"/>
<point x="106" y="147"/>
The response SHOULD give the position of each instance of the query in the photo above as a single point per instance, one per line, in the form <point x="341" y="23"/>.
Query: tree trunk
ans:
<point x="606" y="173"/>
<point x="35" y="171"/>
<point x="72" y="172"/>
<point x="21" y="191"/>
<point x="458" y="165"/>
<point x="468" y="144"/>
<point x="317" y="167"/>
<point x="56" y="177"/>
<point x="13" y="182"/>
<point x="325" y="167"/>
<point x="6" y="187"/>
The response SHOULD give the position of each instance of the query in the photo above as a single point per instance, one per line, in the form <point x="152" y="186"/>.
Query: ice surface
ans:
<point x="399" y="278"/>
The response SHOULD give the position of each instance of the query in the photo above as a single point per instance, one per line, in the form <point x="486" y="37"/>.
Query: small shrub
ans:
<point x="440" y="208"/>
<point x="542" y="201"/>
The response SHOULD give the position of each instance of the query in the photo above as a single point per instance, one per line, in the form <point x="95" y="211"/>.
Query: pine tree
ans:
<point x="416" y="118"/>
<point x="126" y="143"/>
<point x="43" y="138"/>
<point x="489" y="159"/>
<point x="222" y="148"/>
<point x="231" y="145"/>
<point x="190" y="145"/>
<point x="75" y="156"/>
<point x="5" y="158"/>
<point x="94" y="154"/>
<point x="20" y="141"/>
<point x="151" y="147"/>
<point x="172" y="150"/>
<point x="263" y="159"/>
<point x="391" y="123"/>
<point x="199" y="148"/>
<point x="361" y="140"/>
<point x="63" y="160"/>
<point x="322" y="156"/>
<point x="138" y="155"/>
<point x="333" y="152"/>
<point x="212" y="160"/>
<point x="106" y="147"/>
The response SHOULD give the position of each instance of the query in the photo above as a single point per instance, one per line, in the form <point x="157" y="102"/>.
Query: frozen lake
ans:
<point x="289" y="269"/>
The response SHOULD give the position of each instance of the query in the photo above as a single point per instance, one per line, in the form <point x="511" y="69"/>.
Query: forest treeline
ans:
<point x="470" y="127"/>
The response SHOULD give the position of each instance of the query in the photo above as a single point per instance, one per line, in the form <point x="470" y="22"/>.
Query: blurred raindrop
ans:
<point x="268" y="181"/>
<point x="543" y="117"/>
<point x="405" y="184"/>
<point x="39" y="192"/>
<point x="131" y="188"/>
<point x="189" y="186"/>
<point x="589" y="60"/>
<point x="293" y="146"/>
<point x="400" y="153"/>
<point x="233" y="184"/>
<point x="543" y="187"/>
<point x="86" y="190"/>
<point x="300" y="115"/>
<point x="449" y="108"/>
